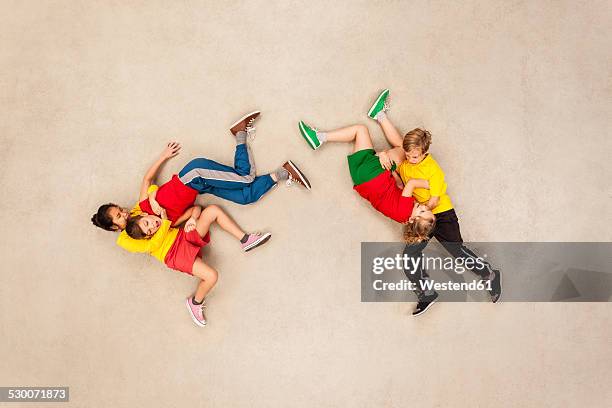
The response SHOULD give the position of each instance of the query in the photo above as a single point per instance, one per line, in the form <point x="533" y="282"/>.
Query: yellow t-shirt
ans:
<point x="429" y="170"/>
<point x="158" y="245"/>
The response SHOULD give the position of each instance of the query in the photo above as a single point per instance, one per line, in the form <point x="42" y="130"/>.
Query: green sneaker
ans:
<point x="379" y="105"/>
<point x="310" y="134"/>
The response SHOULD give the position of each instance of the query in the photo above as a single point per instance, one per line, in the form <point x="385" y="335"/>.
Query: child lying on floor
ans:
<point x="179" y="248"/>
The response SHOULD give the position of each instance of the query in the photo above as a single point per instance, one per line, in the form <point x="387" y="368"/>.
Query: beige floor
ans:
<point x="517" y="95"/>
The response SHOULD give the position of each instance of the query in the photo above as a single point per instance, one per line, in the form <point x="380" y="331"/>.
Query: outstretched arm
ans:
<point x="171" y="150"/>
<point x="192" y="214"/>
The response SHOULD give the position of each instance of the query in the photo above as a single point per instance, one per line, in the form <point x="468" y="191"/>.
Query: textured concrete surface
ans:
<point x="517" y="96"/>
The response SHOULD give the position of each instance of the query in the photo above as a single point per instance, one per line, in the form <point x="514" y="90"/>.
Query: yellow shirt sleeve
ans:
<point x="144" y="245"/>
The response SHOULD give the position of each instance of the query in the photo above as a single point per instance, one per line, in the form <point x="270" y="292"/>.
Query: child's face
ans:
<point x="414" y="156"/>
<point x="149" y="224"/>
<point x="421" y="211"/>
<point x="119" y="216"/>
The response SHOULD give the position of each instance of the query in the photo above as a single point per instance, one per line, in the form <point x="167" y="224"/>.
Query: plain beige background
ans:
<point x="517" y="96"/>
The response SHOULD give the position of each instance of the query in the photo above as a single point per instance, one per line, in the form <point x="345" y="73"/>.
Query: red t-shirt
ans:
<point x="174" y="196"/>
<point x="386" y="197"/>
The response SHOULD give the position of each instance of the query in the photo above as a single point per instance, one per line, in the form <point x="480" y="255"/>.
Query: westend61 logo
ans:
<point x="414" y="265"/>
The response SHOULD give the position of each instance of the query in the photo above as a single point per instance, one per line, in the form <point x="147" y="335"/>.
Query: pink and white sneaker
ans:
<point x="196" y="311"/>
<point x="255" y="240"/>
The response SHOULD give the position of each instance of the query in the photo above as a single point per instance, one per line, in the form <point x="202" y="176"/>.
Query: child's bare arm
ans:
<point x="171" y="150"/>
<point x="412" y="184"/>
<point x="391" y="133"/>
<point x="433" y="202"/>
<point x="153" y="202"/>
<point x="191" y="213"/>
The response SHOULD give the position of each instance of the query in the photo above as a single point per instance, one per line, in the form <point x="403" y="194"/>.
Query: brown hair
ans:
<point x="418" y="230"/>
<point x="417" y="138"/>
<point x="133" y="229"/>
<point x="102" y="218"/>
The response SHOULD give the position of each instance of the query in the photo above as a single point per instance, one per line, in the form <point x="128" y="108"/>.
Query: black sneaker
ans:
<point x="424" y="303"/>
<point x="496" y="287"/>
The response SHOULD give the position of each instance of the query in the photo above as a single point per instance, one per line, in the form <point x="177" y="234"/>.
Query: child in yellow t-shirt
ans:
<point x="420" y="164"/>
<point x="179" y="248"/>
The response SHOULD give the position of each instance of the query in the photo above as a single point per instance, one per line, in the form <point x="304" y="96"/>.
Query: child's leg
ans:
<point x="448" y="233"/>
<point x="244" y="164"/>
<point x="208" y="277"/>
<point x="419" y="274"/>
<point x="201" y="173"/>
<point x="355" y="133"/>
<point x="211" y="214"/>
<point x="393" y="136"/>
<point x="250" y="193"/>
<point x="358" y="134"/>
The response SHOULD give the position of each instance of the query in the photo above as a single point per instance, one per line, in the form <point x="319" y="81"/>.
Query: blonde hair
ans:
<point x="418" y="230"/>
<point x="417" y="138"/>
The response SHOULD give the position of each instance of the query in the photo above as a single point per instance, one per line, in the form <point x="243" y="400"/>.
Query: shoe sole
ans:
<point x="264" y="238"/>
<point x="376" y="102"/>
<point x="426" y="309"/>
<point x="302" y="176"/>
<point x="196" y="321"/>
<point x="244" y="117"/>
<point x="307" y="137"/>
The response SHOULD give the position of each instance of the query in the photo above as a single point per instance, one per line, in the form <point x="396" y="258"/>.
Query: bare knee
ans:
<point x="211" y="276"/>
<point x="204" y="272"/>
<point x="361" y="130"/>
<point x="212" y="210"/>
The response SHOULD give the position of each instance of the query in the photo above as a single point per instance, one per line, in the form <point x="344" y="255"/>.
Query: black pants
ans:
<point x="448" y="233"/>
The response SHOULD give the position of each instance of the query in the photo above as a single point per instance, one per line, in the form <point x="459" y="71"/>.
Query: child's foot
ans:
<point x="496" y="286"/>
<point x="252" y="241"/>
<point x="310" y="135"/>
<point x="380" y="105"/>
<point x="245" y="123"/>
<point x="424" y="303"/>
<point x="196" y="311"/>
<point x="296" y="174"/>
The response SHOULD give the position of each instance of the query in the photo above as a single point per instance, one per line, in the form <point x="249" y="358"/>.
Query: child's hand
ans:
<point x="190" y="225"/>
<point x="157" y="209"/>
<point x="385" y="160"/>
<point x="163" y="214"/>
<point x="171" y="150"/>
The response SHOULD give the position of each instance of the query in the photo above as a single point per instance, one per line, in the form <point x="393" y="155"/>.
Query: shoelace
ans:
<point x="386" y="106"/>
<point x="291" y="180"/>
<point x="250" y="129"/>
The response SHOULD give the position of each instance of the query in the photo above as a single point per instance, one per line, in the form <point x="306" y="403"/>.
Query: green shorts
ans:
<point x="364" y="166"/>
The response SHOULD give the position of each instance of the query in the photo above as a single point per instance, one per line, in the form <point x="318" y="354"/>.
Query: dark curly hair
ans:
<point x="102" y="219"/>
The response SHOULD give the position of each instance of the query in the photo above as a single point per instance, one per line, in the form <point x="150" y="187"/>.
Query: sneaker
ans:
<point x="296" y="175"/>
<point x="255" y="240"/>
<point x="310" y="134"/>
<point x="196" y="311"/>
<point x="245" y="123"/>
<point x="379" y="105"/>
<point x="496" y="286"/>
<point x="424" y="303"/>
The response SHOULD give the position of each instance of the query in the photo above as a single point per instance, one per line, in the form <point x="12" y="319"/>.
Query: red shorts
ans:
<point x="185" y="249"/>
